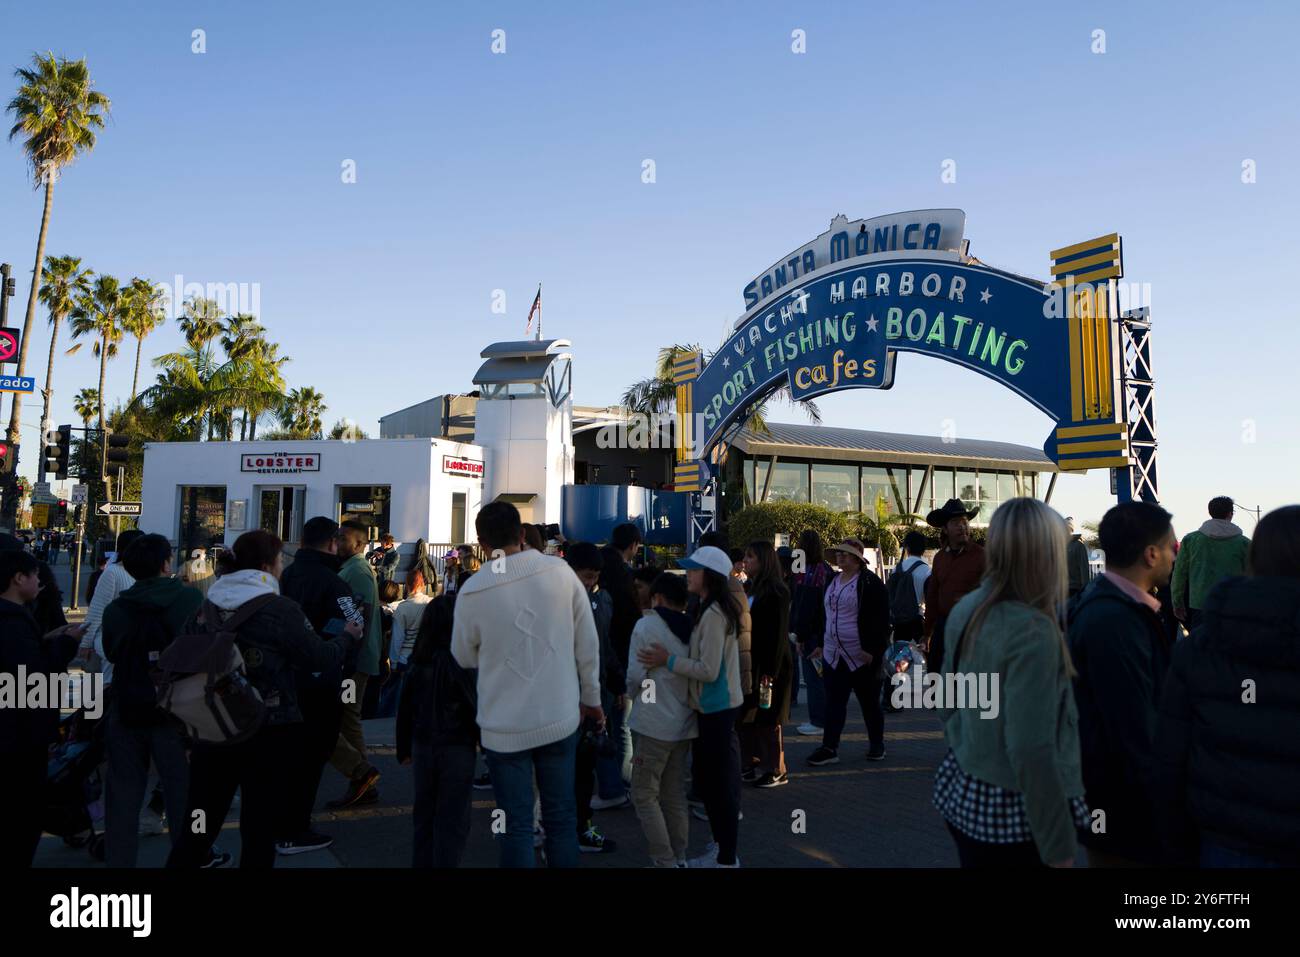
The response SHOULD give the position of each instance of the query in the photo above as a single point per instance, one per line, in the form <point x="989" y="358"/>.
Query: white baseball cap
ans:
<point x="710" y="557"/>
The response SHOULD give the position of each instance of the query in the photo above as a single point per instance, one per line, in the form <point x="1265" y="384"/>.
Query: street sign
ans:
<point x="9" y="339"/>
<point x="13" y="383"/>
<point x="80" y="494"/>
<point x="41" y="487"/>
<point x="119" y="508"/>
<point x="40" y="516"/>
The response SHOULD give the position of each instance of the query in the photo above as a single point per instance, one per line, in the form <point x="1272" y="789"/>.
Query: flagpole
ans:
<point x="539" y="312"/>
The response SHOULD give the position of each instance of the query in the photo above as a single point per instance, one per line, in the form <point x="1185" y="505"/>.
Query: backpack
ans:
<point x="903" y="606"/>
<point x="137" y="674"/>
<point x="205" y="685"/>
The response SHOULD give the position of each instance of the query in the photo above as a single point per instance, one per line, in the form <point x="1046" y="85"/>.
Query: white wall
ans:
<point x="421" y="492"/>
<point x="530" y="445"/>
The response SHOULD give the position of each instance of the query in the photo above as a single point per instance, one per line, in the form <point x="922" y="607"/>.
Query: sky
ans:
<point x="478" y="171"/>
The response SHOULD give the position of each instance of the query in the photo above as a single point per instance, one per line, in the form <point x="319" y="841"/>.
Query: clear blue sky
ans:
<point x="478" y="172"/>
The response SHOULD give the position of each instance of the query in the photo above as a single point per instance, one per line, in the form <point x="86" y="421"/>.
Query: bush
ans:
<point x="765" y="521"/>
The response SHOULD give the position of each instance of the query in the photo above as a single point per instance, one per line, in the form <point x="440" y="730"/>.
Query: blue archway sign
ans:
<point x="836" y="312"/>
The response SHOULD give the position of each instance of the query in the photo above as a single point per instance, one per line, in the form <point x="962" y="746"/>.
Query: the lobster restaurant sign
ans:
<point x="280" y="463"/>
<point x="458" y="466"/>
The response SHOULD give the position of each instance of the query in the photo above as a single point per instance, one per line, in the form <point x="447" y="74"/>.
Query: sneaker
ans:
<point x="311" y="841"/>
<point x="483" y="782"/>
<point x="608" y="804"/>
<point x="357" y="789"/>
<point x="823" y="756"/>
<point x="771" y="780"/>
<point x="216" y="858"/>
<point x="591" y="841"/>
<point x="809" y="729"/>
<point x="876" y="755"/>
<point x="151" y="823"/>
<point x="749" y="775"/>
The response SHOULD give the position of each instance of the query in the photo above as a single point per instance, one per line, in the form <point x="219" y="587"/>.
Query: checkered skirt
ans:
<point x="986" y="812"/>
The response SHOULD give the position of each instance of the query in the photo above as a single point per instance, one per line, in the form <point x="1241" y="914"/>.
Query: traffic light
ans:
<point x="116" y="455"/>
<point x="8" y="458"/>
<point x="58" y="446"/>
<point x="60" y="517"/>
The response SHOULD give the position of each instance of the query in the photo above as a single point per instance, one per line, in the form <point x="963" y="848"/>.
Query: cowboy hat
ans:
<point x="853" y="547"/>
<point x="953" y="508"/>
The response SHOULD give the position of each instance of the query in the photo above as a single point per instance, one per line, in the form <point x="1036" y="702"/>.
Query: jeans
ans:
<point x="717" y="779"/>
<point x="865" y="683"/>
<point x="512" y="783"/>
<point x="444" y="776"/>
<point x="659" y="796"/>
<point x="256" y="768"/>
<point x="614" y="774"/>
<point x="129" y="752"/>
<point x="391" y="693"/>
<point x="814" y="691"/>
<point x="1216" y="855"/>
<point x="349" y="757"/>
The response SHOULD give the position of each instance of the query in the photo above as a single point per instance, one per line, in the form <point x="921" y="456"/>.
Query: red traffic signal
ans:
<point x="63" y="503"/>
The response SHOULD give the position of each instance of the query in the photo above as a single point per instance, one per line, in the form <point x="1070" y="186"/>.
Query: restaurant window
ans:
<point x="920" y="492"/>
<point x="835" y="486"/>
<point x="203" y="517"/>
<point x="988" y="490"/>
<point x="879" y="481"/>
<point x="942" y="487"/>
<point x="1008" y="486"/>
<point x="457" y="518"/>
<point x="367" y="504"/>
<point x="968" y="489"/>
<point x="789" y="483"/>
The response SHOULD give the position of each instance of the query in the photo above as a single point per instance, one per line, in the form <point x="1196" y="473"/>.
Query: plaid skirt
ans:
<point x="986" y="812"/>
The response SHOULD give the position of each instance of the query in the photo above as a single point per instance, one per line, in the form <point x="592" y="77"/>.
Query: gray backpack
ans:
<point x="205" y="686"/>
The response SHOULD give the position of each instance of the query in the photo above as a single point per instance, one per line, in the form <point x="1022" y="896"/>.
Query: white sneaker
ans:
<point x="809" y="729"/>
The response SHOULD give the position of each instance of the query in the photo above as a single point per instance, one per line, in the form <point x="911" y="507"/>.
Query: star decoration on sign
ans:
<point x="985" y="296"/>
<point x="872" y="323"/>
<point x="726" y="362"/>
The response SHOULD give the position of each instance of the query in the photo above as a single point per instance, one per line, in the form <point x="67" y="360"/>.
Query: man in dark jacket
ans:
<point x="312" y="580"/>
<point x="617" y="581"/>
<point x="47" y="606"/>
<point x="957" y="570"/>
<point x="1120" y="649"/>
<point x="25" y="733"/>
<point x="138" y="625"/>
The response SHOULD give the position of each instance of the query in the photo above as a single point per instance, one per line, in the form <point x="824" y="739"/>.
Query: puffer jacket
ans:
<point x="277" y="642"/>
<point x="1227" y="747"/>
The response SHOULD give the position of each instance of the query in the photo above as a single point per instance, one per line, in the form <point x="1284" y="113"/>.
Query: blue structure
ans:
<point x="590" y="512"/>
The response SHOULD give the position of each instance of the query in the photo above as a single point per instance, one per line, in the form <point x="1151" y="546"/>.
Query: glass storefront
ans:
<point x="835" y="486"/>
<point x="968" y="488"/>
<point x="367" y="504"/>
<point x="202" y="518"/>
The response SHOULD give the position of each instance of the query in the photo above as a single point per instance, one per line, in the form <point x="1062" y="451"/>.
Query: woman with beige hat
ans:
<point x="857" y="633"/>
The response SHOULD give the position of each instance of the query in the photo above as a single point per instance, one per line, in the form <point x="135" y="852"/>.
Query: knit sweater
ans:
<point x="524" y="621"/>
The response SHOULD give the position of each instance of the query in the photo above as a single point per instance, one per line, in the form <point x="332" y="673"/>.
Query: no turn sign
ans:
<point x="8" y="344"/>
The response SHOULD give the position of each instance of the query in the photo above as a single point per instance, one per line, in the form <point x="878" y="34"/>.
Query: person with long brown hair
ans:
<point x="1010" y="788"/>
<point x="769" y="612"/>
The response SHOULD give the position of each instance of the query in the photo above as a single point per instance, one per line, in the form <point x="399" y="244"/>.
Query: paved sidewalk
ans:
<point x="857" y="813"/>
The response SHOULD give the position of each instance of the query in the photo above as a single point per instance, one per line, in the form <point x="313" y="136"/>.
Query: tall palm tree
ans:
<point x="143" y="313"/>
<point x="99" y="313"/>
<point x="243" y="338"/>
<point x="56" y="112"/>
<point x="200" y="321"/>
<point x="302" y="411"/>
<point x="86" y="405"/>
<point x="65" y="283"/>
<point x="182" y="400"/>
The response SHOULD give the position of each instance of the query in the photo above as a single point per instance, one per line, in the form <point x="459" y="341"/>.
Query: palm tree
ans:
<point x="86" y="405"/>
<point x="243" y="339"/>
<point x="301" y="413"/>
<point x="182" y="399"/>
<point x="144" y="305"/>
<point x="65" y="283"/>
<point x="57" y="113"/>
<point x="200" y="322"/>
<point x="100" y="313"/>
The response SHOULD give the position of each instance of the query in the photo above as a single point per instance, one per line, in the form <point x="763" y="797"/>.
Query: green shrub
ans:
<point x="765" y="521"/>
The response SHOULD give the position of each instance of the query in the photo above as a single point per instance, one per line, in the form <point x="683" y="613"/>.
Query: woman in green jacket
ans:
<point x="1010" y="787"/>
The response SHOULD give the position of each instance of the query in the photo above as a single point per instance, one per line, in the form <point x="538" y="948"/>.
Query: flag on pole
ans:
<point x="536" y="309"/>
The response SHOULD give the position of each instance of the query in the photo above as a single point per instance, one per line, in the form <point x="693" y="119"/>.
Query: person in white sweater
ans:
<point x="524" y="621"/>
<point x="114" y="580"/>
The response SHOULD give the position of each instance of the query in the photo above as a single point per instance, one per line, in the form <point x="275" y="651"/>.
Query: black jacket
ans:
<point x="439" y="700"/>
<point x="312" y="580"/>
<point x="22" y="642"/>
<point x="1120" y="649"/>
<point x="1228" y="737"/>
<point x="142" y="620"/>
<point x="770" y="619"/>
<point x="617" y="580"/>
<point x="808" y="607"/>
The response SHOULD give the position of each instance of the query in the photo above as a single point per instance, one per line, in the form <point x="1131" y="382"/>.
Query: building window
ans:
<point x="878" y="481"/>
<point x="1008" y="486"/>
<point x="367" y="504"/>
<point x="280" y="509"/>
<point x="921" y="492"/>
<point x="457" y="518"/>
<point x="942" y="487"/>
<point x="789" y="482"/>
<point x="968" y="489"/>
<point x="202" y="519"/>
<point x="988" y="493"/>
<point x="835" y="486"/>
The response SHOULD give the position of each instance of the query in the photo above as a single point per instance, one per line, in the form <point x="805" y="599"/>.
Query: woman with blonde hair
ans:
<point x="1010" y="787"/>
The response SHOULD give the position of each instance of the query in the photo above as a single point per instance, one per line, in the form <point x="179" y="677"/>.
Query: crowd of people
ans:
<point x="1148" y="713"/>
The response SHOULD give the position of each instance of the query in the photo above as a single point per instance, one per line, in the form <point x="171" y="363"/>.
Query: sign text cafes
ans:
<point x="280" y="462"/>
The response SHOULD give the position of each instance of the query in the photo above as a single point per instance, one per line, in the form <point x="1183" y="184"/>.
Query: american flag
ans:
<point x="537" y="309"/>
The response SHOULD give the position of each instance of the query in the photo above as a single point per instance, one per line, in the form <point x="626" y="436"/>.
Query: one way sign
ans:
<point x="119" y="508"/>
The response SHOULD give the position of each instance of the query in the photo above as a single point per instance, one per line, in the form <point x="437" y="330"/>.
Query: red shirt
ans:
<point x="954" y="576"/>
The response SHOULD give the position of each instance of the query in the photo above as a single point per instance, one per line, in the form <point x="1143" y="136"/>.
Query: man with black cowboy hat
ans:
<point x="958" y="568"/>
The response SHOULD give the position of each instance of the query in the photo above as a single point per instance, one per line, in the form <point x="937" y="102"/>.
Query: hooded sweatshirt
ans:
<point x="524" y="621"/>
<point x="668" y="715"/>
<point x="1215" y="551"/>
